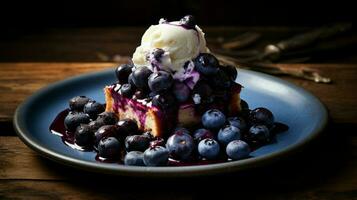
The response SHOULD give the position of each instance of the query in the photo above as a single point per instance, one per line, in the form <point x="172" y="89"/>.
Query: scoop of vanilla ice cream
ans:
<point x="180" y="45"/>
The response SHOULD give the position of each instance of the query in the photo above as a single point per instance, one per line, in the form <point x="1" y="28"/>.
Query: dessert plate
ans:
<point x="301" y="111"/>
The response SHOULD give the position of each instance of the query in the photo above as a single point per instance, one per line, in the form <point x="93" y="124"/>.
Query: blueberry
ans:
<point x="104" y="132"/>
<point x="77" y="103"/>
<point x="137" y="143"/>
<point x="156" y="156"/>
<point x="160" y="81"/>
<point x="237" y="122"/>
<point x="157" y="54"/>
<point x="127" y="127"/>
<point x="245" y="111"/>
<point x="140" y="94"/>
<point x="261" y="116"/>
<point x="237" y="149"/>
<point x="84" y="135"/>
<point x="107" y="118"/>
<point x="201" y="134"/>
<point x="149" y="135"/>
<point x="134" y="158"/>
<point x="74" y="119"/>
<point x="206" y="64"/>
<point x="122" y="72"/>
<point x="164" y="101"/>
<point x="203" y="91"/>
<point x="180" y="145"/>
<point x="188" y="21"/>
<point x="221" y="80"/>
<point x="209" y="148"/>
<point x="259" y="134"/>
<point x="109" y="148"/>
<point x="228" y="134"/>
<point x="230" y="71"/>
<point x="244" y="105"/>
<point x="95" y="125"/>
<point x="181" y="91"/>
<point x="131" y="81"/>
<point x="157" y="141"/>
<point x="140" y="77"/>
<point x="127" y="90"/>
<point x="93" y="108"/>
<point x="213" y="119"/>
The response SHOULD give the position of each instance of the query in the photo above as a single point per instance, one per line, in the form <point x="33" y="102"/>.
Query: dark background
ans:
<point x="64" y="13"/>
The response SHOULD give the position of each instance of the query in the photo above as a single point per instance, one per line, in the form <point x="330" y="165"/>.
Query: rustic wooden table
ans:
<point x="326" y="169"/>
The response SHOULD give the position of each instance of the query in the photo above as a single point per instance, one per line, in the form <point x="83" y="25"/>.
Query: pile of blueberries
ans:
<point x="214" y="82"/>
<point x="121" y="140"/>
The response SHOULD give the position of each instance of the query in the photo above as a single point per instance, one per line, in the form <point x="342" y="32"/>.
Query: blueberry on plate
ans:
<point x="160" y="81"/>
<point x="104" y="132"/>
<point x="134" y="158"/>
<point x="201" y="134"/>
<point x="209" y="148"/>
<point x="136" y="143"/>
<point x="93" y="108"/>
<point x="238" y="122"/>
<point x="180" y="145"/>
<point x="228" y="134"/>
<point x="164" y="101"/>
<point x="127" y="127"/>
<point x="157" y="141"/>
<point x="74" y="119"/>
<point x="109" y="148"/>
<point x="122" y="72"/>
<point x="127" y="90"/>
<point x="221" y="80"/>
<point x="95" y="125"/>
<point x="188" y="21"/>
<point x="156" y="156"/>
<point x="140" y="77"/>
<point x="213" y="119"/>
<point x="77" y="103"/>
<point x="206" y="64"/>
<point x="181" y="91"/>
<point x="259" y="134"/>
<point x="237" y="149"/>
<point x="261" y="116"/>
<point x="230" y="71"/>
<point x="84" y="135"/>
<point x="107" y="118"/>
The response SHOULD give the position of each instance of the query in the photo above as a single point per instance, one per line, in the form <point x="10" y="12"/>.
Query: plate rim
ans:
<point x="181" y="171"/>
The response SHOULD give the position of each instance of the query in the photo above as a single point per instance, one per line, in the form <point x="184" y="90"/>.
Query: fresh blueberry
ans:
<point x="137" y="143"/>
<point x="181" y="91"/>
<point x="244" y="104"/>
<point x="237" y="122"/>
<point x="77" y="103"/>
<point x="74" y="119"/>
<point x="201" y="134"/>
<point x="127" y="127"/>
<point x="157" y="53"/>
<point x="202" y="93"/>
<point x="230" y="71"/>
<point x="156" y="156"/>
<point x="261" y="116"/>
<point x="93" y="108"/>
<point x="237" y="149"/>
<point x="109" y="148"/>
<point x="221" y="80"/>
<point x="104" y="132"/>
<point x="157" y="141"/>
<point x="131" y="81"/>
<point x="245" y="111"/>
<point x="95" y="125"/>
<point x="84" y="135"/>
<point x="213" y="119"/>
<point x="165" y="101"/>
<point x="134" y="158"/>
<point x="180" y="145"/>
<point x="206" y="64"/>
<point x="149" y="135"/>
<point x="188" y="21"/>
<point x="259" y="134"/>
<point x="107" y="118"/>
<point x="209" y="148"/>
<point x="127" y="90"/>
<point x="140" y="77"/>
<point x="122" y="72"/>
<point x="228" y="134"/>
<point x="140" y="94"/>
<point x="160" y="81"/>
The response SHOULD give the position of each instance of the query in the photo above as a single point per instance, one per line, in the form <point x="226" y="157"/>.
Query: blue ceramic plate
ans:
<point x="291" y="105"/>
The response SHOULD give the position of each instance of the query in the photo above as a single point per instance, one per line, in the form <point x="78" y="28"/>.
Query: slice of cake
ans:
<point x="173" y="80"/>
